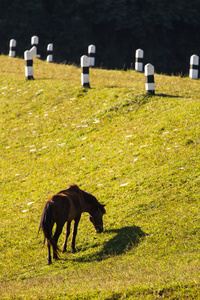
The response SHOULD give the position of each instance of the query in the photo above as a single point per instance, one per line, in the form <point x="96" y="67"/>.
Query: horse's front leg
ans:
<point x="76" y="221"/>
<point x="66" y="236"/>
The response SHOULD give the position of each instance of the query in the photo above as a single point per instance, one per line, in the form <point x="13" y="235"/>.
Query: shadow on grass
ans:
<point x="168" y="96"/>
<point x="125" y="239"/>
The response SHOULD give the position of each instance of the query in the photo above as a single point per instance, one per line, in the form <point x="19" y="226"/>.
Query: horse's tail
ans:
<point x="46" y="224"/>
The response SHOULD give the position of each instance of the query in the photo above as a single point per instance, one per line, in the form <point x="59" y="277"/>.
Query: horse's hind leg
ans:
<point x="66" y="236"/>
<point x="49" y="252"/>
<point x="57" y="233"/>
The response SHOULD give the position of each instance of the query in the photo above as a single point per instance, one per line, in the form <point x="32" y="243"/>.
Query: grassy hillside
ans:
<point x="137" y="154"/>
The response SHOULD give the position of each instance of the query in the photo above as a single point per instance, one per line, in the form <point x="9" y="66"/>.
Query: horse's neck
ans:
<point x="88" y="205"/>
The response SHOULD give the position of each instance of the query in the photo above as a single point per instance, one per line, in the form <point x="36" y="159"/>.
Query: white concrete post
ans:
<point x="91" y="54"/>
<point x="149" y="76"/>
<point x="50" y="52"/>
<point x="139" y="55"/>
<point x="35" y="42"/>
<point x="12" y="48"/>
<point x="194" y="66"/>
<point x="28" y="56"/>
<point x="85" y="63"/>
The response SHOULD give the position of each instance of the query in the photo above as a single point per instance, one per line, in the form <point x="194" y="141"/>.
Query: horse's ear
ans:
<point x="103" y="209"/>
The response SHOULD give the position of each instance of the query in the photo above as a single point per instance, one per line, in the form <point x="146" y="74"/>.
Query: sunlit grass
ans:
<point x="137" y="154"/>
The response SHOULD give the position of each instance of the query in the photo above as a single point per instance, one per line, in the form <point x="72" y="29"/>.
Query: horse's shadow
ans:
<point x="124" y="239"/>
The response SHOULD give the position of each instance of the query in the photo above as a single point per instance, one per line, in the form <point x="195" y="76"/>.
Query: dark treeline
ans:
<point x="167" y="31"/>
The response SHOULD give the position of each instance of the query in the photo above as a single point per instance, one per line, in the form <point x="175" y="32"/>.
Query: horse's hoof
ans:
<point x="49" y="262"/>
<point x="56" y="258"/>
<point x="63" y="250"/>
<point x="73" y="250"/>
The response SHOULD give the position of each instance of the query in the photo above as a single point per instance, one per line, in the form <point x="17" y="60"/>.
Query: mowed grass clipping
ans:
<point x="137" y="154"/>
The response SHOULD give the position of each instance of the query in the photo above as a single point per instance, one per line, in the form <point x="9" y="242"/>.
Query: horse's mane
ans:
<point x="92" y="199"/>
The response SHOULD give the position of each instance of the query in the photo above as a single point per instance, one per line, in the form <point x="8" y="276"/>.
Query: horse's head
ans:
<point x="97" y="218"/>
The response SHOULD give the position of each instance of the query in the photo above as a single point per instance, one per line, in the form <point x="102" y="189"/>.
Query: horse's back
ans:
<point x="67" y="204"/>
<point x="74" y="194"/>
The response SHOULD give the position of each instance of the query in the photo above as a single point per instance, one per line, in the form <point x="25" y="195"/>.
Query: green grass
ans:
<point x="137" y="154"/>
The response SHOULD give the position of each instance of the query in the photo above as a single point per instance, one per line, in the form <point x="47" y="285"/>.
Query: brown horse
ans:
<point x="66" y="206"/>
